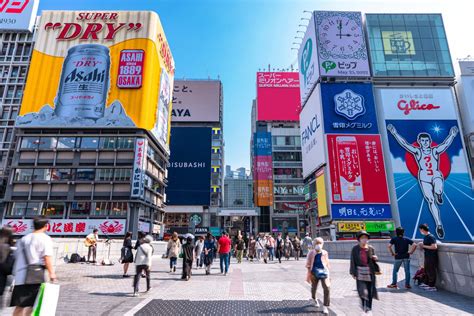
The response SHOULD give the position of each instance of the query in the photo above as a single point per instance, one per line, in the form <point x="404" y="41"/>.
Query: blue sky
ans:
<point x="233" y="39"/>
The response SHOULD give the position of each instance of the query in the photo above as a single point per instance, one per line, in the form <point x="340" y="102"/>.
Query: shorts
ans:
<point x="25" y="295"/>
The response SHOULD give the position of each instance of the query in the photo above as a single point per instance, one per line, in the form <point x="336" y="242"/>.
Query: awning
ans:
<point x="237" y="212"/>
<point x="183" y="209"/>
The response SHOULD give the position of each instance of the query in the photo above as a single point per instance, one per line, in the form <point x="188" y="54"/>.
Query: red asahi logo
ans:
<point x="413" y="105"/>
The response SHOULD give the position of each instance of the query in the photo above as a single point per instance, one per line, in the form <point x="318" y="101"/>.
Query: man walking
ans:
<point x="402" y="256"/>
<point x="279" y="247"/>
<point x="223" y="248"/>
<point x="431" y="258"/>
<point x="239" y="248"/>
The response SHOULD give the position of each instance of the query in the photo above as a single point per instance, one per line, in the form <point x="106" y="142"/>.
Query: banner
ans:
<point x="100" y="69"/>
<point x="264" y="192"/>
<point x="349" y="108"/>
<point x="139" y="167"/>
<point x="70" y="227"/>
<point x="262" y="142"/>
<point x="18" y="15"/>
<point x="263" y="168"/>
<point x="308" y="62"/>
<point x="321" y="194"/>
<point x="350" y="227"/>
<point x="432" y="181"/>
<point x="196" y="101"/>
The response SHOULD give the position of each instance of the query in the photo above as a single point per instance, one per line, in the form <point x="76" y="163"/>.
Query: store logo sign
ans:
<point x="307" y="66"/>
<point x="328" y="65"/>
<point x="413" y="105"/>
<point x="349" y="104"/>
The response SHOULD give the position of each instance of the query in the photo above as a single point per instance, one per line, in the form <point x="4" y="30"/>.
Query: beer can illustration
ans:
<point x="84" y="83"/>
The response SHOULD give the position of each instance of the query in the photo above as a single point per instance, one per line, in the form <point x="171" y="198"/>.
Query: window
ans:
<point x="119" y="209"/>
<point x="42" y="174"/>
<point x="67" y="142"/>
<point x="29" y="142"/>
<point x="23" y="174"/>
<point x="125" y="143"/>
<point x="107" y="142"/>
<point x="81" y="208"/>
<point x="47" y="142"/>
<point x="101" y="209"/>
<point x="89" y="142"/>
<point x="287" y="173"/>
<point x="33" y="209"/>
<point x="287" y="156"/>
<point x="61" y="174"/>
<point x="53" y="209"/>
<point x="104" y="174"/>
<point x="85" y="174"/>
<point x="18" y="209"/>
<point x="122" y="174"/>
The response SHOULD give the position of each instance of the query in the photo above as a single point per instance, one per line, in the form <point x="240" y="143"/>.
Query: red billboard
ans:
<point x="357" y="169"/>
<point x="278" y="96"/>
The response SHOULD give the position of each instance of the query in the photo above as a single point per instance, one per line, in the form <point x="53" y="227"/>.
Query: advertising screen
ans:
<point x="278" y="96"/>
<point x="341" y="44"/>
<point x="349" y="108"/>
<point x="18" y="15"/>
<point x="262" y="144"/>
<point x="263" y="168"/>
<point x="311" y="130"/>
<point x="428" y="160"/>
<point x="264" y="192"/>
<point x="189" y="169"/>
<point x="196" y="101"/>
<point x="103" y="70"/>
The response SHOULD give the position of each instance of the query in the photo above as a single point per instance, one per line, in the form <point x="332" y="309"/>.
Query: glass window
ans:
<point x="85" y="174"/>
<point x="67" y="142"/>
<point x="23" y="174"/>
<point x="33" y="209"/>
<point x="53" y="209"/>
<point x="125" y="143"/>
<point x="48" y="142"/>
<point x="30" y="142"/>
<point x="123" y="174"/>
<point x="81" y="208"/>
<point x="18" y="209"/>
<point x="119" y="209"/>
<point x="61" y="174"/>
<point x="89" y="142"/>
<point x="42" y="174"/>
<point x="107" y="142"/>
<point x="104" y="174"/>
<point x="101" y="209"/>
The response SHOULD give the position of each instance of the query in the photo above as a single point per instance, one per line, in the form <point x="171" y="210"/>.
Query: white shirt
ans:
<point x="38" y="245"/>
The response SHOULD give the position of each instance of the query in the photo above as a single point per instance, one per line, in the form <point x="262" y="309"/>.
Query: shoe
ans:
<point x="148" y="290"/>
<point x="392" y="286"/>
<point x="316" y="302"/>
<point x="171" y="270"/>
<point x="422" y="285"/>
<point x="325" y="310"/>
<point x="225" y="273"/>
<point x="440" y="231"/>
<point x="126" y="276"/>
<point x="135" y="294"/>
<point x="143" y="275"/>
<point x="439" y="199"/>
<point x="408" y="286"/>
<point x="430" y="289"/>
<point x="174" y="269"/>
<point x="187" y="278"/>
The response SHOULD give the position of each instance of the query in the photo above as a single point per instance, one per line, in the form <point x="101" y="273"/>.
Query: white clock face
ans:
<point x="340" y="35"/>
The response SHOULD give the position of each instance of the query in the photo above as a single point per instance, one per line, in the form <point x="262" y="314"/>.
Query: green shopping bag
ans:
<point x="46" y="300"/>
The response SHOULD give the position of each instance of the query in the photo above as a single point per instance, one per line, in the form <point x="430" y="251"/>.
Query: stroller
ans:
<point x="419" y="276"/>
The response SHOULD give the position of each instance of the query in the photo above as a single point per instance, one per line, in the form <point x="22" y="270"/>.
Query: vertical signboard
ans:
<point x="18" y="15"/>
<point x="432" y="181"/>
<point x="322" y="194"/>
<point x="263" y="169"/>
<point x="139" y="167"/>
<point x="308" y="61"/>
<point x="342" y="50"/>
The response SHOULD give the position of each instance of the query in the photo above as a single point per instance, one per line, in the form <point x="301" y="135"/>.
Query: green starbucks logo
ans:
<point x="328" y="65"/>
<point x="306" y="58"/>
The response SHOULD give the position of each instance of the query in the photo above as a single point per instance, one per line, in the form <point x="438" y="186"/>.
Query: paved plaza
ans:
<point x="249" y="289"/>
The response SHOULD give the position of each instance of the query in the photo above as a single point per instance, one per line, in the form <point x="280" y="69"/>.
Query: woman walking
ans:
<point x="209" y="252"/>
<point x="172" y="250"/>
<point x="259" y="245"/>
<point x="363" y="268"/>
<point x="198" y="252"/>
<point x="252" y="248"/>
<point x="127" y="254"/>
<point x="188" y="257"/>
<point x="287" y="247"/>
<point x="143" y="260"/>
<point x="317" y="263"/>
<point x="297" y="248"/>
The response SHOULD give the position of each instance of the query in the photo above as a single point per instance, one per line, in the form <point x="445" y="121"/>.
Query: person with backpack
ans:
<point x="143" y="259"/>
<point x="404" y="247"/>
<point x="317" y="264"/>
<point x="126" y="253"/>
<point x="7" y="258"/>
<point x="430" y="247"/>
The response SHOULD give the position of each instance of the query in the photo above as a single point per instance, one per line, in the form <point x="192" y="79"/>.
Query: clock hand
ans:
<point x="340" y="29"/>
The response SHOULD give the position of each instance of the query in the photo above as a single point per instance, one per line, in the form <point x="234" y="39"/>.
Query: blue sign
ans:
<point x="348" y="108"/>
<point x="262" y="142"/>
<point x="361" y="211"/>
<point x="189" y="168"/>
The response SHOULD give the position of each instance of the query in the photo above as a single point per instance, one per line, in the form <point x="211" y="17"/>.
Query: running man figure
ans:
<point x="430" y="178"/>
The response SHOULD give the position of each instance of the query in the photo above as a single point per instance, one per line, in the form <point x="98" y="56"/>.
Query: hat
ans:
<point x="363" y="233"/>
<point x="148" y="239"/>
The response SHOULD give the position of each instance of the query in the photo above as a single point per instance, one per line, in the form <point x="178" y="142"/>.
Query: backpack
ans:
<point x="75" y="258"/>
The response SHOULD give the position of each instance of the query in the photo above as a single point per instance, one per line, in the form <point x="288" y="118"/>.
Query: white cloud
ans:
<point x="458" y="163"/>
<point x="398" y="165"/>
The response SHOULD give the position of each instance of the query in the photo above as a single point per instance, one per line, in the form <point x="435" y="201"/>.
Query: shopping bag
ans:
<point x="46" y="300"/>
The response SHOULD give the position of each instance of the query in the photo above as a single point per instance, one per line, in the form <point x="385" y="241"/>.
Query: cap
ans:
<point x="362" y="233"/>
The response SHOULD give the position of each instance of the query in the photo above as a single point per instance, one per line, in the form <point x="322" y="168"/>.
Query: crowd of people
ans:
<point x="31" y="257"/>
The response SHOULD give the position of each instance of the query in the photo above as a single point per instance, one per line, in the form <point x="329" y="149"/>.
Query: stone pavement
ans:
<point x="249" y="289"/>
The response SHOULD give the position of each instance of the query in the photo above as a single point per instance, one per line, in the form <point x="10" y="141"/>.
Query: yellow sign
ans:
<point x="350" y="227"/>
<point x="100" y="69"/>
<point x="398" y="43"/>
<point x="321" y="190"/>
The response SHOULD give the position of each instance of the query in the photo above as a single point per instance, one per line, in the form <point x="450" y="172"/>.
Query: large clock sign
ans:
<point x="342" y="50"/>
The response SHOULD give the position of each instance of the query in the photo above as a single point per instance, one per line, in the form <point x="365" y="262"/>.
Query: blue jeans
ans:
<point x="271" y="253"/>
<point x="396" y="267"/>
<point x="173" y="261"/>
<point x="224" y="260"/>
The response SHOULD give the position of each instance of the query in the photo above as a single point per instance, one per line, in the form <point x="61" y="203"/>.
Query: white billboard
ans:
<point x="139" y="167"/>
<point x="308" y="61"/>
<point x="196" y="101"/>
<point x="342" y="49"/>
<point x="18" y="15"/>
<point x="311" y="128"/>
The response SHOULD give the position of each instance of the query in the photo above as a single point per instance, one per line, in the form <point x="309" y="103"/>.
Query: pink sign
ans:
<point x="130" y="72"/>
<point x="263" y="168"/>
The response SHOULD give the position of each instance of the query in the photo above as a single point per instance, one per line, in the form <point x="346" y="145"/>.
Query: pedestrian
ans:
<point x="91" y="242"/>
<point x="259" y="247"/>
<point x="431" y="258"/>
<point x="173" y="250"/>
<point x="143" y="259"/>
<point x="402" y="256"/>
<point x="7" y="258"/>
<point x="288" y="247"/>
<point x="188" y="258"/>
<point x="140" y="236"/>
<point x="198" y="251"/>
<point x="307" y="244"/>
<point x="223" y="248"/>
<point x="245" y="237"/>
<point x="252" y="249"/>
<point x="126" y="253"/>
<point x="317" y="264"/>
<point x="297" y="248"/>
<point x="363" y="268"/>
<point x="266" y="249"/>
<point x="279" y="245"/>
<point x="239" y="248"/>
<point x="209" y="252"/>
<point x="271" y="247"/>
<point x="34" y="255"/>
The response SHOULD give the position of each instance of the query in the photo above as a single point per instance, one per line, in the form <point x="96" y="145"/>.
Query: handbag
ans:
<point x="321" y="273"/>
<point x="46" y="300"/>
<point x="363" y="274"/>
<point x="377" y="270"/>
<point x="34" y="272"/>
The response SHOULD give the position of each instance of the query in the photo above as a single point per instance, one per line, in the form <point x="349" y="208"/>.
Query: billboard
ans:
<point x="18" y="15"/>
<point x="465" y="89"/>
<point x="263" y="168"/>
<point x="262" y="144"/>
<point x="278" y="96"/>
<point x="349" y="108"/>
<point x="189" y="168"/>
<point x="308" y="62"/>
<point x="311" y="129"/>
<point x="432" y="181"/>
<point x="196" y="101"/>
<point x="139" y="167"/>
<point x="321" y="193"/>
<point x="264" y="192"/>
<point x="103" y="70"/>
<point x="342" y="50"/>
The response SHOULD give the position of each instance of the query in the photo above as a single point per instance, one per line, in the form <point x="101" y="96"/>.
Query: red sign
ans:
<point x="69" y="226"/>
<point x="357" y="169"/>
<point x="13" y="6"/>
<point x="278" y="96"/>
<point x="130" y="71"/>
<point x="414" y="105"/>
<point x="263" y="168"/>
